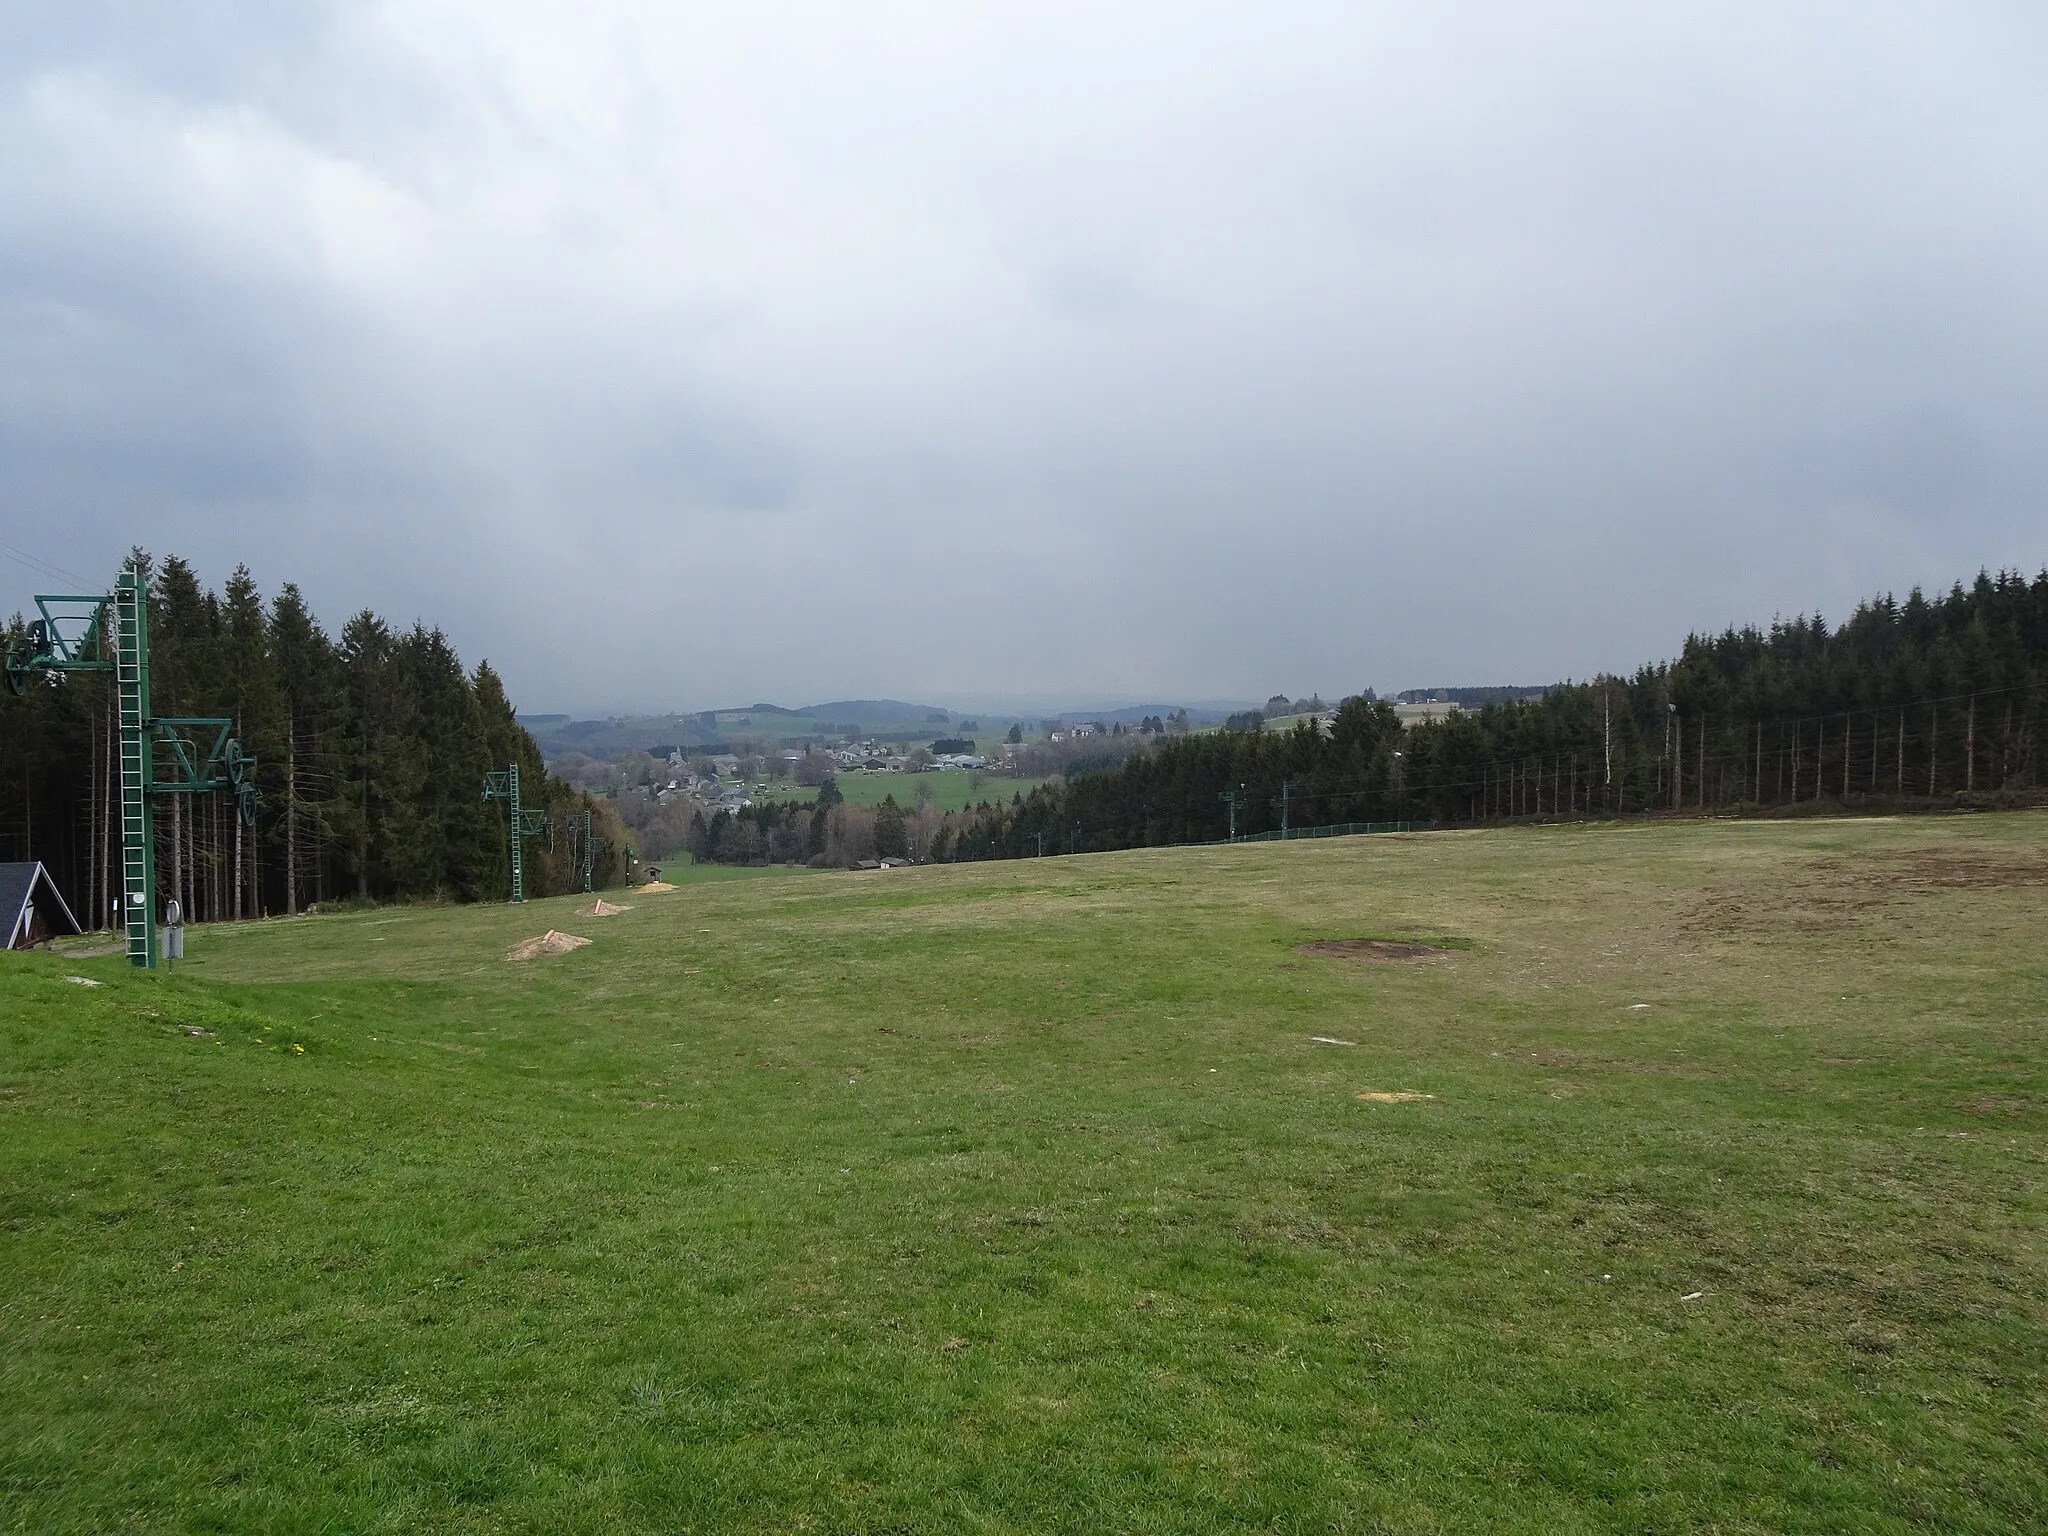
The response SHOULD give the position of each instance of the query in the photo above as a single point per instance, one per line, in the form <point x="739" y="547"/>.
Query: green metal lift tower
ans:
<point x="73" y="635"/>
<point x="586" y="854"/>
<point x="525" y="823"/>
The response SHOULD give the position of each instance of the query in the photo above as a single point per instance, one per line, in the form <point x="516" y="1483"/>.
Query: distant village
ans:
<point x="661" y="790"/>
<point x="725" y="783"/>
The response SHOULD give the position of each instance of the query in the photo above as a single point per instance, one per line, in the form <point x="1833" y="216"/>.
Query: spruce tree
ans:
<point x="892" y="837"/>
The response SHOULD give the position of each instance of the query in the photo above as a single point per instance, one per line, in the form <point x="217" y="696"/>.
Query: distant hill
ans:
<point x="561" y="735"/>
<point x="882" y="714"/>
<point x="1130" y="714"/>
<point x="885" y="719"/>
<point x="881" y="719"/>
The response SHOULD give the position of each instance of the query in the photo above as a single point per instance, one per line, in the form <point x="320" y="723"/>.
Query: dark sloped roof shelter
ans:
<point x="32" y="909"/>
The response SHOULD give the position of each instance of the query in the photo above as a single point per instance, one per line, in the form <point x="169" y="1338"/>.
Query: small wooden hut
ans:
<point x="32" y="910"/>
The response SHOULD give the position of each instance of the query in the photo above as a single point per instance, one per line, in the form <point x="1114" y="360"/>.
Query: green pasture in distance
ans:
<point x="1047" y="1196"/>
<point x="950" y="791"/>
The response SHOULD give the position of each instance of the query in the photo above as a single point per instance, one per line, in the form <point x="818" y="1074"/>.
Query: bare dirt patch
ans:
<point x="1995" y="1104"/>
<point x="1380" y="1096"/>
<point x="1831" y="894"/>
<point x="653" y="888"/>
<point x="549" y="943"/>
<point x="1372" y="951"/>
<point x="1956" y="870"/>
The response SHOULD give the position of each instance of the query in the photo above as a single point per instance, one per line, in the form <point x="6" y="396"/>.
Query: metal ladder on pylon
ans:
<point x="518" y="854"/>
<point x="138" y="809"/>
<point x="503" y="784"/>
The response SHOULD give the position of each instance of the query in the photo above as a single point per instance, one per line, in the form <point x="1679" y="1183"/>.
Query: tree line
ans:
<point x="825" y="832"/>
<point x="1927" y="703"/>
<point x="372" y="747"/>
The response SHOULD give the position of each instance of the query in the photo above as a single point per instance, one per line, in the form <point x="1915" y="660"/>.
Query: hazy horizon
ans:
<point x="1018" y="706"/>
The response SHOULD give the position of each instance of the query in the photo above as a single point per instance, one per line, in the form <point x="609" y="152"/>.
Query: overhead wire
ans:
<point x="41" y="566"/>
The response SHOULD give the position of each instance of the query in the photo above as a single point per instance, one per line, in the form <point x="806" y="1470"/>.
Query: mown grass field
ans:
<point x="950" y="791"/>
<point x="1020" y="1197"/>
<point x="675" y="870"/>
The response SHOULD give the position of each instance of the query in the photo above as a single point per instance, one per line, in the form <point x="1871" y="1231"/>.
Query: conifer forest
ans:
<point x="372" y="746"/>
<point x="1920" y="704"/>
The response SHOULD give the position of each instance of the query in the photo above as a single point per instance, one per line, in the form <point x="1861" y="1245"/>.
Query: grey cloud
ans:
<point x="1168" y="351"/>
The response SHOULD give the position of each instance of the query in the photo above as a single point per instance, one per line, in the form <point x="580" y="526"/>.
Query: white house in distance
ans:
<point x="31" y="909"/>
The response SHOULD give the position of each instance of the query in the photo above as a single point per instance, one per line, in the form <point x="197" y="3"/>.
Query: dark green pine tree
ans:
<point x="302" y="776"/>
<point x="254" y="700"/>
<point x="892" y="837"/>
<point x="368" y="778"/>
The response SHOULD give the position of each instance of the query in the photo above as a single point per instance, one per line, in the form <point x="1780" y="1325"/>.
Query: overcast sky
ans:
<point x="676" y="356"/>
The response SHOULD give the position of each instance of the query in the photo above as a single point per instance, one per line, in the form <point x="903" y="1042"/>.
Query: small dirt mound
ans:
<point x="1375" y="951"/>
<point x="653" y="888"/>
<point x="603" y="908"/>
<point x="549" y="943"/>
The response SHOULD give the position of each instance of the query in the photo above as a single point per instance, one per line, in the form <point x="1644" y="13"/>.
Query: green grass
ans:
<point x="1018" y="1197"/>
<point x="677" y="869"/>
<point x="950" y="791"/>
